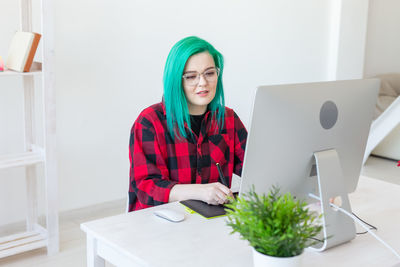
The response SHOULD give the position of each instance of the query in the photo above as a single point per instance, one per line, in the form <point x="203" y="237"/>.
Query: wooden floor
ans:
<point x="73" y="240"/>
<point x="382" y="169"/>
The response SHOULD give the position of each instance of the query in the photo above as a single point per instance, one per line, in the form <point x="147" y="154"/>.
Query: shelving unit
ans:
<point x="36" y="236"/>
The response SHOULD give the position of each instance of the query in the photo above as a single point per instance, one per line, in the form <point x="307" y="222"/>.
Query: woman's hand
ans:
<point x="214" y="193"/>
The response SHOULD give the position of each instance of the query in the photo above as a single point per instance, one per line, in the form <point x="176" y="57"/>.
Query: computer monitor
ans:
<point x="309" y="139"/>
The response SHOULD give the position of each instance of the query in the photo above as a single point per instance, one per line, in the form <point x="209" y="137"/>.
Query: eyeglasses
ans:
<point x="193" y="77"/>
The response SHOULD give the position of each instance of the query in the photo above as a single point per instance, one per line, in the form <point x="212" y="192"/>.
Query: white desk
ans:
<point x="142" y="239"/>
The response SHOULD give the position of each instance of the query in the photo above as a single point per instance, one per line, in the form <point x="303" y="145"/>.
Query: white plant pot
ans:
<point x="262" y="260"/>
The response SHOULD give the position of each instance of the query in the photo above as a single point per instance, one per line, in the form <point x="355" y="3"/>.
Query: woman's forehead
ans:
<point x="199" y="62"/>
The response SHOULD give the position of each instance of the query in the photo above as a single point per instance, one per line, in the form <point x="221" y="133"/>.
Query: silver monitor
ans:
<point x="309" y="139"/>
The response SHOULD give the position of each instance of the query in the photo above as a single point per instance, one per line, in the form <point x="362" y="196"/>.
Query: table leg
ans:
<point x="93" y="260"/>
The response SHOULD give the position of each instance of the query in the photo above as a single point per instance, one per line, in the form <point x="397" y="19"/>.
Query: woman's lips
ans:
<point x="202" y="93"/>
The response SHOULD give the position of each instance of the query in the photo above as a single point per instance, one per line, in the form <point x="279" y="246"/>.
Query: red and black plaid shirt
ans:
<point x="158" y="162"/>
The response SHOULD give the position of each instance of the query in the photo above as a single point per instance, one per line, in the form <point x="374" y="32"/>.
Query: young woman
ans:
<point x="176" y="145"/>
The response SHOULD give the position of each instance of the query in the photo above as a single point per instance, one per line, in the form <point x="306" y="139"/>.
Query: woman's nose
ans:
<point x="202" y="80"/>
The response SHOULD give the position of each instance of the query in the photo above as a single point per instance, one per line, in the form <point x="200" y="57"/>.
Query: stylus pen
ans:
<point x="221" y="175"/>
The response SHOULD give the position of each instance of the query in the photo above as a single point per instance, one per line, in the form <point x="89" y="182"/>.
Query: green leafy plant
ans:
<point x="275" y="225"/>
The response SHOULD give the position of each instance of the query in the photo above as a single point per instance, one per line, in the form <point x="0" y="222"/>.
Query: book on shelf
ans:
<point x="22" y="51"/>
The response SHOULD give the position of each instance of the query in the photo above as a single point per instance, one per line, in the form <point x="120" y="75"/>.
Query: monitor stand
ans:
<point x="338" y="228"/>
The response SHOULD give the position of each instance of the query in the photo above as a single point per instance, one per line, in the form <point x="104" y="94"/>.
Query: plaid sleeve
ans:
<point x="149" y="177"/>
<point x="240" y="145"/>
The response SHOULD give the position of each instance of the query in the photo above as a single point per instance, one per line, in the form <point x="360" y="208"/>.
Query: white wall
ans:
<point x="351" y="41"/>
<point x="110" y="57"/>
<point x="382" y="53"/>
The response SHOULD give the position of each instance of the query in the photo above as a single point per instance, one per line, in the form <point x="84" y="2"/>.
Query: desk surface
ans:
<point x="148" y="240"/>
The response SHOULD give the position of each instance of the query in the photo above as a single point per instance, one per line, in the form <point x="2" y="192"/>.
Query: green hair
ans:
<point x="174" y="95"/>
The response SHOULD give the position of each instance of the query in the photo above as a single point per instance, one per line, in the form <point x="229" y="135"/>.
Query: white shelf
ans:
<point x="36" y="236"/>
<point x="15" y="73"/>
<point x="21" y="159"/>
<point x="36" y="69"/>
<point x="21" y="242"/>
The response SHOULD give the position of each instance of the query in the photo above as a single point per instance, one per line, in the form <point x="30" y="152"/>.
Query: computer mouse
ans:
<point x="170" y="215"/>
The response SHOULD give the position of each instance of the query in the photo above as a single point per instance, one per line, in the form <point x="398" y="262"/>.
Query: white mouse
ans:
<point x="170" y="215"/>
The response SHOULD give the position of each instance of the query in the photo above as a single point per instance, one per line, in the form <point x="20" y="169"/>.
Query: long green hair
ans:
<point x="174" y="96"/>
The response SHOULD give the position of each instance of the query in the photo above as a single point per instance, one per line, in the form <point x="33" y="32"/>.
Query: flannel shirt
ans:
<point x="159" y="162"/>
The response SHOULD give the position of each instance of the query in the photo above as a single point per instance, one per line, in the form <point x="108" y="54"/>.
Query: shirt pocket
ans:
<point x="219" y="148"/>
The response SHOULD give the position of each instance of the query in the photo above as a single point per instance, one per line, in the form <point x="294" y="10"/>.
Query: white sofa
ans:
<point x="384" y="139"/>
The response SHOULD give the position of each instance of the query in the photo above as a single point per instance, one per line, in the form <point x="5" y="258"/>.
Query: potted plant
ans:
<point x="277" y="226"/>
